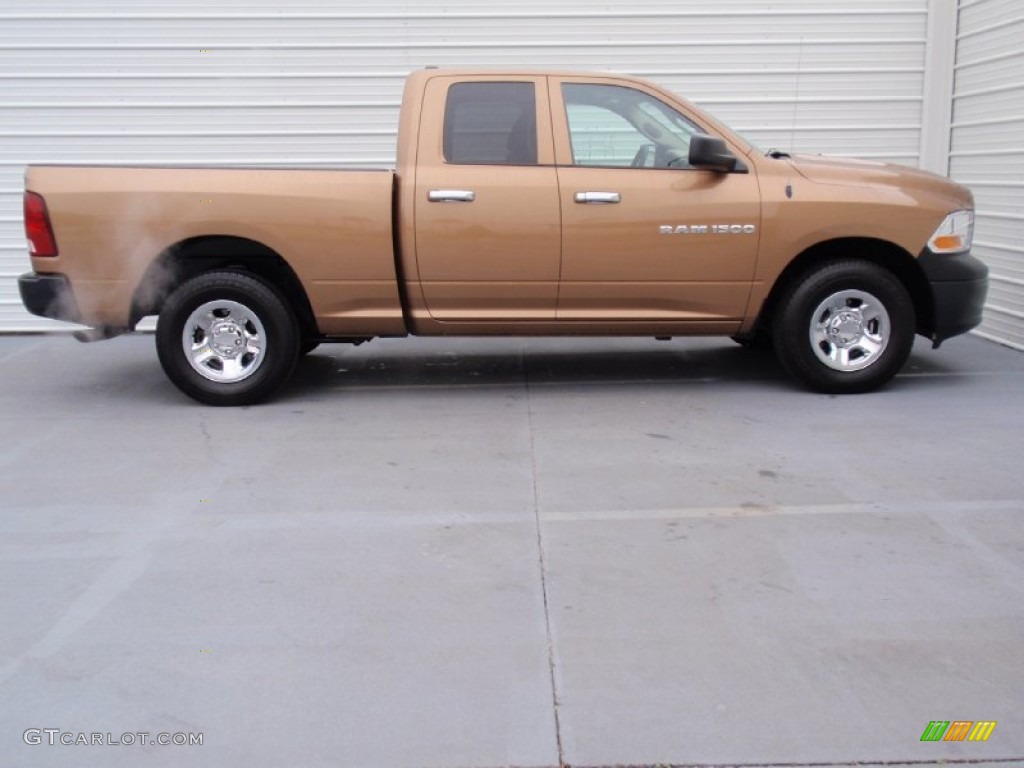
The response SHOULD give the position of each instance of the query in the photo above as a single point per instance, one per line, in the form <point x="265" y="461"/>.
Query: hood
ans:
<point x="842" y="171"/>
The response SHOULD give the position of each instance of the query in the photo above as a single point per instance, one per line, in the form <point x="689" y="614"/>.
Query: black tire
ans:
<point x="240" y="325"/>
<point x="845" y="327"/>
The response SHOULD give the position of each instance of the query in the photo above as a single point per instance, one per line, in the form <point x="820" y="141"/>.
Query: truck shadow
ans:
<point x="457" y="364"/>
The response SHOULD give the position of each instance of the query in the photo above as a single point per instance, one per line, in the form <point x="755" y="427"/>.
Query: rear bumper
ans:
<point x="49" y="296"/>
<point x="959" y="285"/>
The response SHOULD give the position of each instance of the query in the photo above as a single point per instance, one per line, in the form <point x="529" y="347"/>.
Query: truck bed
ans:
<point x="334" y="226"/>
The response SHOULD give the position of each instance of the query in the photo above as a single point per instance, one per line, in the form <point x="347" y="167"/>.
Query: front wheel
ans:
<point x="226" y="338"/>
<point x="845" y="327"/>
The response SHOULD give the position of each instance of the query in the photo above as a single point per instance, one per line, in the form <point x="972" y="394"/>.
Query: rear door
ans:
<point x="646" y="237"/>
<point x="487" y="227"/>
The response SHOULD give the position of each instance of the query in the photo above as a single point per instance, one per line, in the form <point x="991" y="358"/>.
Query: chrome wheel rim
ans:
<point x="850" y="330"/>
<point x="224" y="341"/>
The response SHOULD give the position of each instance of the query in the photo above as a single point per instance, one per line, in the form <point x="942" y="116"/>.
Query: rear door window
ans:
<point x="491" y="124"/>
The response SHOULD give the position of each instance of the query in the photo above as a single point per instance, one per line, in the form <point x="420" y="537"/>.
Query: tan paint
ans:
<point x="333" y="228"/>
<point x="523" y="257"/>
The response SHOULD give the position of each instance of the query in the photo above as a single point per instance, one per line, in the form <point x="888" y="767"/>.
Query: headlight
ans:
<point x="954" y="234"/>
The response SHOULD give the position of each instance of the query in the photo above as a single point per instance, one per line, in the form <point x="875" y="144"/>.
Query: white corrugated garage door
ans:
<point x="260" y="81"/>
<point x="987" y="151"/>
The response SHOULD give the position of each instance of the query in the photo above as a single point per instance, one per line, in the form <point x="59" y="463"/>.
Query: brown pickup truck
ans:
<point x="523" y="203"/>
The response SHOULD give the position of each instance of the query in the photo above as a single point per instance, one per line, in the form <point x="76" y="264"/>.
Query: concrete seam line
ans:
<point x="542" y="564"/>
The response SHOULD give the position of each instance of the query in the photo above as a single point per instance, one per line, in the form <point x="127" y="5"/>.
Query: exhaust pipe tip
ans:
<point x="97" y="334"/>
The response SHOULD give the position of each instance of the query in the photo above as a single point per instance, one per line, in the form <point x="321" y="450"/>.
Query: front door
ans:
<point x="646" y="237"/>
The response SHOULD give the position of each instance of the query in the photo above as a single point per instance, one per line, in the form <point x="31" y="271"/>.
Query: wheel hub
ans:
<point x="845" y="328"/>
<point x="224" y="341"/>
<point x="849" y="330"/>
<point x="227" y="338"/>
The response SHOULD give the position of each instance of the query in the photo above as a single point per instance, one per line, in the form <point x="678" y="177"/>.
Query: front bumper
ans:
<point x="49" y="296"/>
<point x="959" y="284"/>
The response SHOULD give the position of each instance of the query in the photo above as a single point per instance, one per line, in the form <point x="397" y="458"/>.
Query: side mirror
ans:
<point x="712" y="154"/>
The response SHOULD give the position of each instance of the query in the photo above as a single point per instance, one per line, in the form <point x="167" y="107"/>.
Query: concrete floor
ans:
<point x="475" y="553"/>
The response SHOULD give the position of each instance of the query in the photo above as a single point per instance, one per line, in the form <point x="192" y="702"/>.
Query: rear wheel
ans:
<point x="226" y="338"/>
<point x="845" y="327"/>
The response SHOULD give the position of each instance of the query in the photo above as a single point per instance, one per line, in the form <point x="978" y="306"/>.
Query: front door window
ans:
<point x="619" y="127"/>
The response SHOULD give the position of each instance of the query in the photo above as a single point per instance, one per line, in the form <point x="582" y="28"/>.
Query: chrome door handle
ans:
<point x="598" y="197"/>
<point x="451" y="196"/>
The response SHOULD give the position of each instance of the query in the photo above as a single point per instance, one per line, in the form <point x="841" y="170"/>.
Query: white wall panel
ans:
<point x="987" y="151"/>
<point x="261" y="81"/>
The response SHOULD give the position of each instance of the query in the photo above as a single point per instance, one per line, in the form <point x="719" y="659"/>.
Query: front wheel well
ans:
<point x="886" y="255"/>
<point x="184" y="260"/>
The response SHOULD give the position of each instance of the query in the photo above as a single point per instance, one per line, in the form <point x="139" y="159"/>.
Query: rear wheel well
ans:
<point x="195" y="256"/>
<point x="881" y="252"/>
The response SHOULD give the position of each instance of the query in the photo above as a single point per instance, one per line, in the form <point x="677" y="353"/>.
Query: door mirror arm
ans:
<point x="711" y="153"/>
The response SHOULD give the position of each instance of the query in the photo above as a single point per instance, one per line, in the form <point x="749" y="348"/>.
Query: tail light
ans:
<point x="37" y="226"/>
